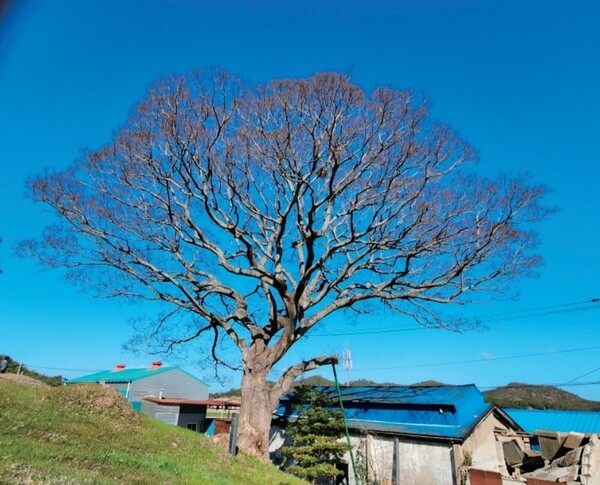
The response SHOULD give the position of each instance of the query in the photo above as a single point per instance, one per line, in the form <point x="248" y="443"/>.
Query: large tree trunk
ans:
<point x="259" y="399"/>
<point x="258" y="404"/>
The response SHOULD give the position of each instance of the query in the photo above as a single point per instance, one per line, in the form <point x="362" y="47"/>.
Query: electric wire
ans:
<point x="527" y="313"/>
<point x="499" y="317"/>
<point x="490" y="359"/>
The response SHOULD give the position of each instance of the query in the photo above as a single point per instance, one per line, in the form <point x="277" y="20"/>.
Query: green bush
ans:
<point x="317" y="450"/>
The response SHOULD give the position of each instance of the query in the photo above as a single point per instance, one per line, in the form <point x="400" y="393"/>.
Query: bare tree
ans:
<point x="257" y="212"/>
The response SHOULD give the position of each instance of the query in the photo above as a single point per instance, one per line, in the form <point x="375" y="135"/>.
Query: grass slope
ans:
<point x="89" y="434"/>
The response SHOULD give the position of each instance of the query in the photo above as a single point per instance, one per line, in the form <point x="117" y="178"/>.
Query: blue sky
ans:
<point x="519" y="80"/>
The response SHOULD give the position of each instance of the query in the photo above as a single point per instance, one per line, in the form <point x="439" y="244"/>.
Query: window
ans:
<point x="191" y="426"/>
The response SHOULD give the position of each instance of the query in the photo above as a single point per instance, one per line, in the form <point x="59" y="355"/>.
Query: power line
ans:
<point x="541" y="311"/>
<point x="544" y="314"/>
<point x="33" y="366"/>
<point x="515" y="315"/>
<point x="472" y="361"/>
<point x="584" y="375"/>
<point x="592" y="300"/>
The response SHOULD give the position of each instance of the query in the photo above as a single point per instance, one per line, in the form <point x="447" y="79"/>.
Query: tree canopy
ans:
<point x="255" y="212"/>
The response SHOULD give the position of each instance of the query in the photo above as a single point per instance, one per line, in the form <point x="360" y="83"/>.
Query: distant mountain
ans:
<point x="527" y="396"/>
<point x="514" y="395"/>
<point x="314" y="381"/>
<point x="428" y="384"/>
<point x="320" y="381"/>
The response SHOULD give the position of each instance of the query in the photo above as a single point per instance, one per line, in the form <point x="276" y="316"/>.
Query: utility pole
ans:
<point x="347" y="359"/>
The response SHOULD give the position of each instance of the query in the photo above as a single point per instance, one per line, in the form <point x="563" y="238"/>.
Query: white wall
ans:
<point x="420" y="462"/>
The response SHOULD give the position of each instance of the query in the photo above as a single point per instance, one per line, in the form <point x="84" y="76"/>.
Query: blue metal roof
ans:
<point x="124" y="375"/>
<point x="443" y="412"/>
<point x="553" y="420"/>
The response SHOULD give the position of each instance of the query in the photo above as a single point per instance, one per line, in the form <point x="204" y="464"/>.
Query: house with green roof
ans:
<point x="155" y="381"/>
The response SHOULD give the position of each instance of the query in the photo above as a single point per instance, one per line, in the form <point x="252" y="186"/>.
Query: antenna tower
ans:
<point x="347" y="359"/>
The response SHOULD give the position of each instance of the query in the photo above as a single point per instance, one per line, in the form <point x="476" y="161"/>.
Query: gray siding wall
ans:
<point x="149" y="408"/>
<point x="121" y="387"/>
<point x="169" y="417"/>
<point x="174" y="383"/>
<point x="175" y="415"/>
<point x="167" y="414"/>
<point x="192" y="418"/>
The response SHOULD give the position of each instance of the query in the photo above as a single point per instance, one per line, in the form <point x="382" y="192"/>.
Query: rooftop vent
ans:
<point x="119" y="367"/>
<point x="157" y="364"/>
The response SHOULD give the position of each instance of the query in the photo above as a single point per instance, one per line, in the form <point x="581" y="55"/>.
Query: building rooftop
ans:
<point x="121" y="374"/>
<point x="530" y="420"/>
<point x="433" y="412"/>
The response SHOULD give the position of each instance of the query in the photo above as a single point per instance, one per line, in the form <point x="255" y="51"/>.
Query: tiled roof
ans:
<point x="124" y="375"/>
<point x="442" y="412"/>
<point x="553" y="420"/>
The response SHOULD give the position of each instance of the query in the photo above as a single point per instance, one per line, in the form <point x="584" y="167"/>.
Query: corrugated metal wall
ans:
<point x="484" y="477"/>
<point x="176" y="415"/>
<point x="149" y="408"/>
<point x="174" y="383"/>
<point x="166" y="414"/>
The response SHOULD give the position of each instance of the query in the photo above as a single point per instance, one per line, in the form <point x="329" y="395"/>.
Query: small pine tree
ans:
<point x="316" y="434"/>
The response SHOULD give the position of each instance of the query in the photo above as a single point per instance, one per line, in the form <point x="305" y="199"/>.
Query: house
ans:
<point x="415" y="434"/>
<point x="157" y="381"/>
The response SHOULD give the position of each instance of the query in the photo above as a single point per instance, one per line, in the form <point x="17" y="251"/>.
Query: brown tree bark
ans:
<point x="255" y="416"/>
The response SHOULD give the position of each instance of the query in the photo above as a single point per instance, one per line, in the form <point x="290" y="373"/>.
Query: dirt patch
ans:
<point x="95" y="398"/>
<point x="21" y="379"/>
<point x="221" y="440"/>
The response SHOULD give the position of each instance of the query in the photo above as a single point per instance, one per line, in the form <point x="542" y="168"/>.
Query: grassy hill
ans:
<point x="14" y="367"/>
<point x="523" y="396"/>
<point x="89" y="434"/>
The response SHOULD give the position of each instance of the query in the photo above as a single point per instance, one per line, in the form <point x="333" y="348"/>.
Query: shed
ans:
<point x="190" y="413"/>
<point x="416" y="434"/>
<point x="157" y="380"/>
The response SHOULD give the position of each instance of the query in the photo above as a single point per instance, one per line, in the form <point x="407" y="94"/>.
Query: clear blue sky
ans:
<point x="519" y="80"/>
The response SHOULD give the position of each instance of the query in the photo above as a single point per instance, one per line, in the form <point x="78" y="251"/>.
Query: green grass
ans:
<point x="88" y="434"/>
